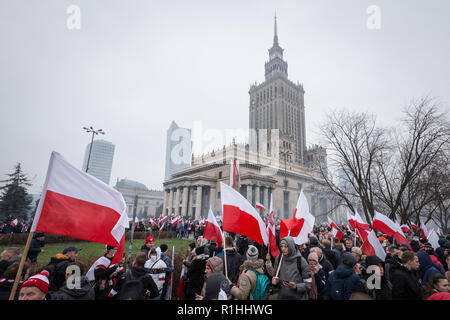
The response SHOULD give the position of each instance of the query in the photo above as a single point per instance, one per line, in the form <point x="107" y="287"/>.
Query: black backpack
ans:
<point x="132" y="288"/>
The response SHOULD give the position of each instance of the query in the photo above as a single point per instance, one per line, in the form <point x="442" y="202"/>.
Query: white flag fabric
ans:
<point x="433" y="239"/>
<point x="372" y="246"/>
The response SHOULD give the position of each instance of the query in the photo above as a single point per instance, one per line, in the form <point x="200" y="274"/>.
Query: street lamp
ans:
<point x="94" y="132"/>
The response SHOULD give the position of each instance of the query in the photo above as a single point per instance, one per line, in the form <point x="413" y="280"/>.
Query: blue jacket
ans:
<point x="427" y="268"/>
<point x="341" y="283"/>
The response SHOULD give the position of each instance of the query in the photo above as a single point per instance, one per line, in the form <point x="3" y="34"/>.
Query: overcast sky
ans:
<point x="136" y="65"/>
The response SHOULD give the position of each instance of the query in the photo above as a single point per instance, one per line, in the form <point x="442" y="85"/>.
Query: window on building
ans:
<point x="220" y="174"/>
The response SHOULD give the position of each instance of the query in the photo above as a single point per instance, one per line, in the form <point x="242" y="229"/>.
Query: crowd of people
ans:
<point x="324" y="268"/>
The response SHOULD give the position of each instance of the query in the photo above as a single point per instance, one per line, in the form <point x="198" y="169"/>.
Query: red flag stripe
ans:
<point x="238" y="221"/>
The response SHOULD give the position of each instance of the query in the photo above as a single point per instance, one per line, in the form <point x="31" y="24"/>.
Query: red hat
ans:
<point x="149" y="239"/>
<point x="39" y="280"/>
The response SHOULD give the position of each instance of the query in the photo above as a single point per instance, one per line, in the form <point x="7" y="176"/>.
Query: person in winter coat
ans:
<point x="36" y="247"/>
<point x="294" y="279"/>
<point x="149" y="243"/>
<point x="330" y="254"/>
<point x="74" y="292"/>
<point x="104" y="273"/>
<point x="234" y="260"/>
<point x="8" y="277"/>
<point x="325" y="264"/>
<point x="57" y="267"/>
<point x="405" y="284"/>
<point x="247" y="280"/>
<point x="216" y="287"/>
<point x="8" y="257"/>
<point x="338" y="248"/>
<point x="214" y="265"/>
<point x="342" y="282"/>
<point x="427" y="267"/>
<point x="35" y="287"/>
<point x="196" y="273"/>
<point x="157" y="268"/>
<point x="440" y="252"/>
<point x="170" y="269"/>
<point x="379" y="288"/>
<point x="437" y="283"/>
<point x="123" y="290"/>
<point x="318" y="277"/>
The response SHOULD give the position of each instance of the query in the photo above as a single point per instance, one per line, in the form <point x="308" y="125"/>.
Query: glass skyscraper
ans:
<point x="100" y="162"/>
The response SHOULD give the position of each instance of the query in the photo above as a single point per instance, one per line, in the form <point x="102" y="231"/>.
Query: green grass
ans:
<point x="91" y="250"/>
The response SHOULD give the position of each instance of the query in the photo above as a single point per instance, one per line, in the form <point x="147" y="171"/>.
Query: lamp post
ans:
<point x="94" y="132"/>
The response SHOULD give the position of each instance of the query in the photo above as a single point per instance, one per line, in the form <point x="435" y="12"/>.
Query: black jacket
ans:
<point x="141" y="274"/>
<point x="85" y="292"/>
<point x="326" y="266"/>
<point x="35" y="249"/>
<point x="57" y="269"/>
<point x="383" y="293"/>
<point x="196" y="276"/>
<point x="332" y="257"/>
<point x="234" y="261"/>
<point x="405" y="285"/>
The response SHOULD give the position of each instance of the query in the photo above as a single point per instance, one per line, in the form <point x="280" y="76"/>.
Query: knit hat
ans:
<point x="252" y="253"/>
<point x="348" y="259"/>
<point x="313" y="256"/>
<point x="149" y="239"/>
<point x="39" y="281"/>
<point x="215" y="264"/>
<point x="192" y="245"/>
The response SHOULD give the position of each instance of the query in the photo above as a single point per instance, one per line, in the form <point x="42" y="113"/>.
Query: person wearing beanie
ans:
<point x="196" y="273"/>
<point x="149" y="243"/>
<point x="36" y="287"/>
<point x="247" y="280"/>
<point x="216" y="287"/>
<point x="318" y="277"/>
<point x="214" y="265"/>
<point x="375" y="266"/>
<point x="342" y="282"/>
<point x="294" y="279"/>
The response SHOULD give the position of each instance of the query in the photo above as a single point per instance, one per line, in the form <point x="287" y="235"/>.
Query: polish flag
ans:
<point x="351" y="220"/>
<point x="372" y="246"/>
<point x="180" y="290"/>
<point x="14" y="222"/>
<point x="405" y="228"/>
<point x="274" y="251"/>
<point x="390" y="228"/>
<point x="175" y="220"/>
<point x="301" y="224"/>
<point x="234" y="174"/>
<point x="163" y="219"/>
<point x="423" y="230"/>
<point x="414" y="226"/>
<point x="152" y="222"/>
<point x="212" y="230"/>
<point x="356" y="222"/>
<point x="75" y="204"/>
<point x="433" y="239"/>
<point x="335" y="229"/>
<point x="239" y="216"/>
<point x="260" y="206"/>
<point x="162" y="226"/>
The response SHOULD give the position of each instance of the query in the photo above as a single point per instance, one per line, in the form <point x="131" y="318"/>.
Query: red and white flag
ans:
<point x="301" y="224"/>
<point x="234" y="174"/>
<point x="260" y="206"/>
<point x="153" y="222"/>
<point x="372" y="246"/>
<point x="423" y="230"/>
<point x="433" y="239"/>
<point x="415" y="226"/>
<point x="335" y="229"/>
<point x="180" y="290"/>
<point x="382" y="223"/>
<point x="14" y="223"/>
<point x="356" y="222"/>
<point x="76" y="204"/>
<point x="162" y="226"/>
<point x="212" y="230"/>
<point x="274" y="251"/>
<point x="175" y="220"/>
<point x="405" y="228"/>
<point x="163" y="219"/>
<point x="239" y="216"/>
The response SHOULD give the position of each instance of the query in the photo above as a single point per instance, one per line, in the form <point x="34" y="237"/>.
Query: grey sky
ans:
<point x="134" y="66"/>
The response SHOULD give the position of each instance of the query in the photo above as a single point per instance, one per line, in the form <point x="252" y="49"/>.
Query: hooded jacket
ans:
<point x="157" y="268"/>
<point x="405" y="285"/>
<point x="216" y="265"/>
<point x="247" y="279"/>
<point x="85" y="292"/>
<point x="427" y="267"/>
<point x="196" y="276"/>
<point x="290" y="272"/>
<point x="345" y="275"/>
<point x="384" y="291"/>
<point x="234" y="261"/>
<point x="440" y="252"/>
<point x="140" y="273"/>
<point x="57" y="269"/>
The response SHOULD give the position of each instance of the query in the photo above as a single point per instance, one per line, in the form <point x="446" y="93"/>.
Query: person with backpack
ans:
<point x="57" y="267"/>
<point x="82" y="291"/>
<point x="342" y="282"/>
<point x="379" y="288"/>
<point x="294" y="279"/>
<point x="253" y="284"/>
<point x="157" y="268"/>
<point x="136" y="283"/>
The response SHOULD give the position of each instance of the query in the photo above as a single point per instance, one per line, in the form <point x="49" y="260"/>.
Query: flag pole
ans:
<point x="22" y="262"/>
<point x="132" y="232"/>
<point x="281" y="259"/>
<point x="225" y="255"/>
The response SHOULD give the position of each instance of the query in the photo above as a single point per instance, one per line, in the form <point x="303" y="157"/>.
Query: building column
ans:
<point x="176" y="205"/>
<point x="257" y="198"/>
<point x="212" y="199"/>
<point x="170" y="205"/>
<point x="198" y="204"/>
<point x="166" y="198"/>
<point x="250" y="193"/>
<point x="184" y="201"/>
<point x="266" y="198"/>
<point x="189" y="209"/>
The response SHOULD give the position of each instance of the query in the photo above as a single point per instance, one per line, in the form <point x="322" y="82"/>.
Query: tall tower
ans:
<point x="278" y="103"/>
<point x="101" y="159"/>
